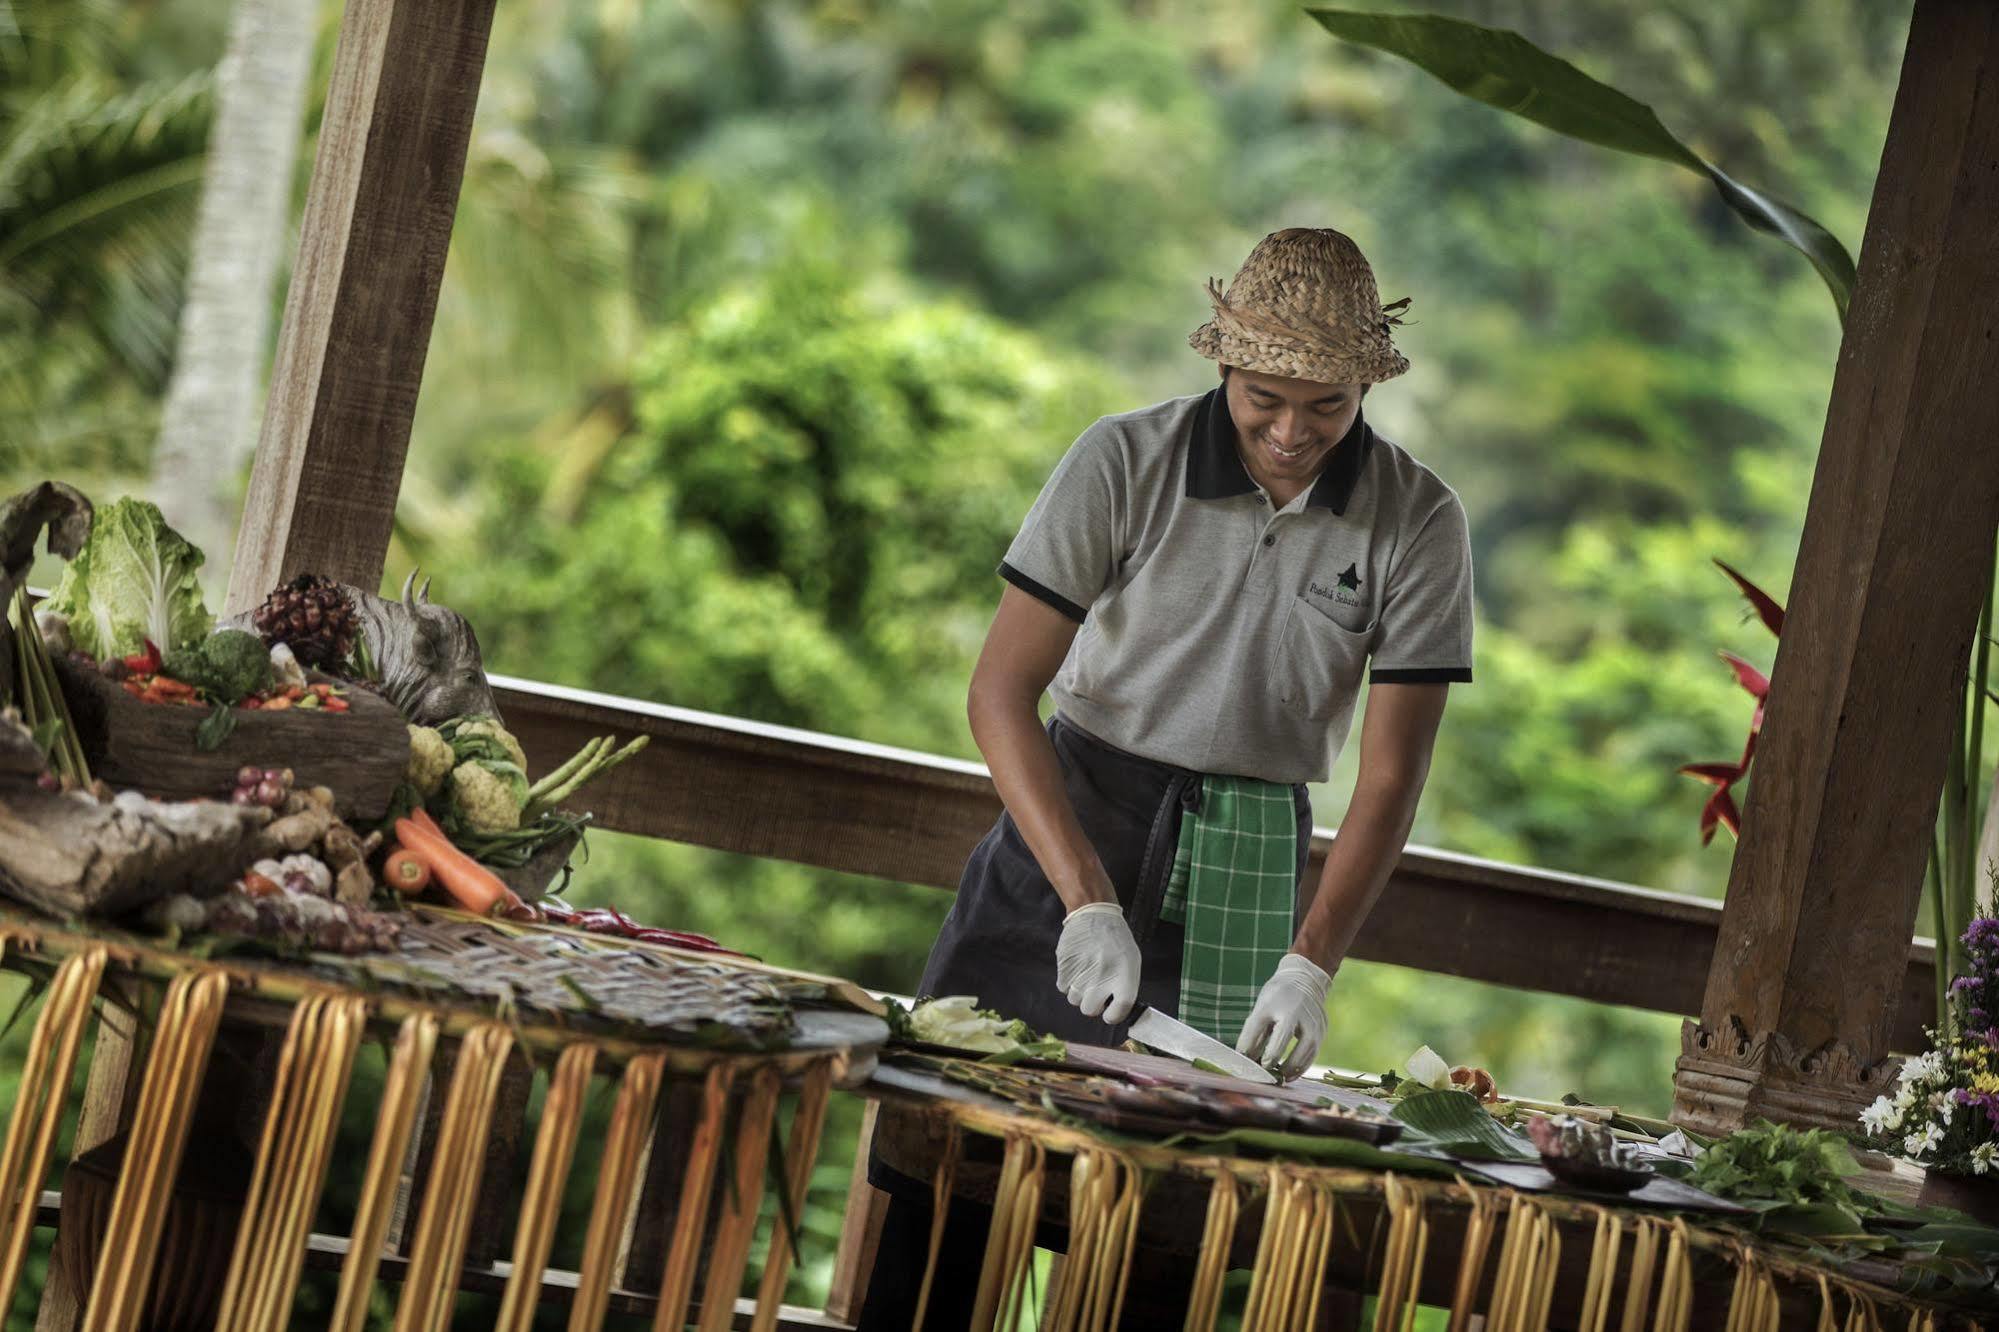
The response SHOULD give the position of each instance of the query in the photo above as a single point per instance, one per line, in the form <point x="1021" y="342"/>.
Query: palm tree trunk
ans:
<point x="208" y="427"/>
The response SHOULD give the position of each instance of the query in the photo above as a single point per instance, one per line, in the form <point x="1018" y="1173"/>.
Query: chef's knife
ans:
<point x="1152" y="1027"/>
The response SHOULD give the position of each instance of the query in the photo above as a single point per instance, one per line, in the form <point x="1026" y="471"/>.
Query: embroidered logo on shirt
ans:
<point x="1347" y="589"/>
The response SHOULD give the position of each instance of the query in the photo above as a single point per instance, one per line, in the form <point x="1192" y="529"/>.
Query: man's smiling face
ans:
<point x="1285" y="428"/>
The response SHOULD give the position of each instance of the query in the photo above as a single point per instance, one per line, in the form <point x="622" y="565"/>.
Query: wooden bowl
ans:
<point x="361" y="753"/>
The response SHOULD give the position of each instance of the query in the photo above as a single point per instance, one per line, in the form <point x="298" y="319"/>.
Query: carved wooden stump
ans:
<point x="1725" y="1079"/>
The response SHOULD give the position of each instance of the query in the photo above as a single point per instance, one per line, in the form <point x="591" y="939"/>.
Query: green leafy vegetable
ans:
<point x="215" y="728"/>
<point x="1797" y="1178"/>
<point x="957" y="1021"/>
<point x="135" y="579"/>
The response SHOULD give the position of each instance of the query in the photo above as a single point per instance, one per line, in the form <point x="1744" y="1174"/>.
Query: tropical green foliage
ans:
<point x="1505" y="70"/>
<point x="763" y="323"/>
<point x="99" y="160"/>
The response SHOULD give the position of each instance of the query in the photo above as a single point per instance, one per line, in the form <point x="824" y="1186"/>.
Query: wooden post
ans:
<point x="1890" y="577"/>
<point x="357" y="317"/>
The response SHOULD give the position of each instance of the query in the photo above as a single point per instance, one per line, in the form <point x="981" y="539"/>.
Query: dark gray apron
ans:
<point x="999" y="941"/>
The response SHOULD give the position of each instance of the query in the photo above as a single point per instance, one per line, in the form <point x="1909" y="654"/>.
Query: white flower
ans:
<point x="1905" y="1097"/>
<point x="1982" y="1157"/>
<point x="1918" y="1143"/>
<point x="1881" y="1117"/>
<point x="1923" y="1067"/>
<point x="1944" y="1104"/>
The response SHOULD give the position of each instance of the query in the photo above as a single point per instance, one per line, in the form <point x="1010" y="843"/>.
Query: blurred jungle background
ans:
<point x="762" y="324"/>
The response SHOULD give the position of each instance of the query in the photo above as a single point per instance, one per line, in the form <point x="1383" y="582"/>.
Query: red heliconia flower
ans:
<point x="1767" y="609"/>
<point x="1720" y="811"/>
<point x="1757" y="683"/>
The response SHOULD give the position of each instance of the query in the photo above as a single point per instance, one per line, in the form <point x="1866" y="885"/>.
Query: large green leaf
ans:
<point x="1455" y="1122"/>
<point x="1504" y="69"/>
<point x="1332" y="1151"/>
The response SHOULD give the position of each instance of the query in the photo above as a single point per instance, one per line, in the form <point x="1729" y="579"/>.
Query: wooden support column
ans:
<point x="357" y="317"/>
<point x="1898" y="537"/>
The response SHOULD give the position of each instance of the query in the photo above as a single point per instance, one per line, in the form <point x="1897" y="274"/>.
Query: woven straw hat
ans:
<point x="1304" y="305"/>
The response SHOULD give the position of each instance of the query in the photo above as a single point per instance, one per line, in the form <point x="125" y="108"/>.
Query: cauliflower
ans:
<point x="484" y="738"/>
<point x="431" y="760"/>
<point x="487" y="795"/>
<point x="285" y="668"/>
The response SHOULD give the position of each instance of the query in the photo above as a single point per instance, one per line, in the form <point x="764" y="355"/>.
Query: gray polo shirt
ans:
<point x="1218" y="635"/>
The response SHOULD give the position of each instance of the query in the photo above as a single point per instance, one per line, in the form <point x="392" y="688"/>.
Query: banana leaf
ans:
<point x="1503" y="69"/>
<point x="1454" y="1122"/>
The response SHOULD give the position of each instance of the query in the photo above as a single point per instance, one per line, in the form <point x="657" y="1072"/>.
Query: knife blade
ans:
<point x="1154" y="1028"/>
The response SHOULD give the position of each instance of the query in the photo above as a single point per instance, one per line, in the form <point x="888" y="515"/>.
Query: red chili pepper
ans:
<point x="699" y="943"/>
<point x="144" y="663"/>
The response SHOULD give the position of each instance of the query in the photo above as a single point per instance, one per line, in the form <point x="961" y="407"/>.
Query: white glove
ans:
<point x="1290" y="1007"/>
<point x="1096" y="961"/>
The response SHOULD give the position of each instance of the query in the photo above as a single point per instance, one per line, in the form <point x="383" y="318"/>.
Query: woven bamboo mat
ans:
<point x="546" y="975"/>
<point x="534" y="977"/>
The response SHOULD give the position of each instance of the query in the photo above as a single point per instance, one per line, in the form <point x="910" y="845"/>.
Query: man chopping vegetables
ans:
<point x="1202" y="587"/>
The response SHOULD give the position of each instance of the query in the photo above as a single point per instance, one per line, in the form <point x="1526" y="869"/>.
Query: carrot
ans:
<point x="421" y="817"/>
<point x="469" y="883"/>
<point x="405" y="872"/>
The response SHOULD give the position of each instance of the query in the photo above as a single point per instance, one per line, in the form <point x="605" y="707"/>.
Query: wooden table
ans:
<point x="203" y="1060"/>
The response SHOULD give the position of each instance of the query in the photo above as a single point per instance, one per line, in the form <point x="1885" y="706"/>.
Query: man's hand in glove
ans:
<point x="1290" y="1008"/>
<point x="1096" y="962"/>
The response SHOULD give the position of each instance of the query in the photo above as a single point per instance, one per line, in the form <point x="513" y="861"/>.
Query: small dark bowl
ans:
<point x="532" y="880"/>
<point x="1597" y="1178"/>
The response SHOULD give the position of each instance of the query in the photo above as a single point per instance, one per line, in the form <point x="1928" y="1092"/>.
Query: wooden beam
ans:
<point x="1801" y="1000"/>
<point x="909" y="817"/>
<point x="357" y="316"/>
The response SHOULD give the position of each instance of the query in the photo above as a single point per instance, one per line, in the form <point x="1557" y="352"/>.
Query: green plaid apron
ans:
<point x="1233" y="885"/>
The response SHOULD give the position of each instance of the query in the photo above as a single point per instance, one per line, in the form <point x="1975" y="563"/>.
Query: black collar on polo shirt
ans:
<point x="1215" y="470"/>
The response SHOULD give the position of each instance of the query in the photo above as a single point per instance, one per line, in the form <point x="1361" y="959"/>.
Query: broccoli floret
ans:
<point x="226" y="666"/>
<point x="487" y="794"/>
<point x="431" y="760"/>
